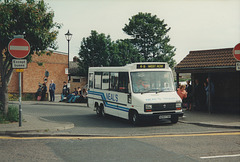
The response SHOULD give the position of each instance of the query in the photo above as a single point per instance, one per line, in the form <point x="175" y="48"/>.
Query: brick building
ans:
<point x="35" y="73"/>
<point x="219" y="65"/>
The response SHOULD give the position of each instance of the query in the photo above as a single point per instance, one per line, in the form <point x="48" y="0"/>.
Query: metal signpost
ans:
<point x="19" y="48"/>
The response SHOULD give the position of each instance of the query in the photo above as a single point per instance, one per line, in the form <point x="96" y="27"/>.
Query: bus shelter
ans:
<point x="219" y="67"/>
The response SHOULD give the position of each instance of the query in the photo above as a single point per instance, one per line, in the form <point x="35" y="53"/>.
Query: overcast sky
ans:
<point x="195" y="24"/>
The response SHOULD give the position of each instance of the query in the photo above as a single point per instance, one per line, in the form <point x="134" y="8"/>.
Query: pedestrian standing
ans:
<point x="189" y="95"/>
<point x="52" y="88"/>
<point x="182" y="92"/>
<point x="65" y="91"/>
<point x="44" y="90"/>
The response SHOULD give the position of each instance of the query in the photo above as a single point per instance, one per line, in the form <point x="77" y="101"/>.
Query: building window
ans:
<point x="76" y="80"/>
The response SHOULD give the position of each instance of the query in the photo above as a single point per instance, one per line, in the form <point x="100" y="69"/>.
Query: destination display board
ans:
<point x="150" y="66"/>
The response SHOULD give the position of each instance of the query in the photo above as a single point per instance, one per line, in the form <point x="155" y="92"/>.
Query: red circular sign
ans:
<point x="236" y="51"/>
<point x="19" y="47"/>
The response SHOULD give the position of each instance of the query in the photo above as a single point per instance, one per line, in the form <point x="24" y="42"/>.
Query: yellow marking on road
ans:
<point x="123" y="137"/>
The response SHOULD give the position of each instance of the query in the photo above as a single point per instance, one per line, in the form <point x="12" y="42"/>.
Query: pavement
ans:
<point x="35" y="125"/>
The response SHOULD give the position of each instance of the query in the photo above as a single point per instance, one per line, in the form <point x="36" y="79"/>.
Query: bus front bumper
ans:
<point x="160" y="116"/>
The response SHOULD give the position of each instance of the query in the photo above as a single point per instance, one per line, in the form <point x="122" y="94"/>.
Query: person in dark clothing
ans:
<point x="52" y="88"/>
<point x="65" y="91"/>
<point x="197" y="94"/>
<point x="38" y="94"/>
<point x="189" y="95"/>
<point x="44" y="90"/>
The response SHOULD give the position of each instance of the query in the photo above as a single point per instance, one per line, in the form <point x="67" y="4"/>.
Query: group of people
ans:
<point x="198" y="93"/>
<point x="71" y="97"/>
<point x="77" y="94"/>
<point x="42" y="90"/>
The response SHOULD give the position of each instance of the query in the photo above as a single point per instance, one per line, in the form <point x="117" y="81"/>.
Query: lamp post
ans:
<point x="68" y="36"/>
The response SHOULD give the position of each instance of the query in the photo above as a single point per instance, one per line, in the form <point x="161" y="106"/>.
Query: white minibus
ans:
<point x="137" y="91"/>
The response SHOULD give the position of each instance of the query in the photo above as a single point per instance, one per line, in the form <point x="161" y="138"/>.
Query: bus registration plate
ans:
<point x="164" y="116"/>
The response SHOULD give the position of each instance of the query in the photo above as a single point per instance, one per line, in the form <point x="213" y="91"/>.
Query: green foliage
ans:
<point x="95" y="51"/>
<point x="13" y="97"/>
<point x="125" y="53"/>
<point x="2" y="118"/>
<point x="25" y="97"/>
<point x="149" y="36"/>
<point x="149" y="43"/>
<point x="28" y="97"/>
<point x="30" y="18"/>
<point x="12" y="115"/>
<point x="98" y="50"/>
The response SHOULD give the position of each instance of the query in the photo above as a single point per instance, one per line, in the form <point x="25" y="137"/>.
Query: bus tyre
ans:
<point x="174" y="119"/>
<point x="134" y="118"/>
<point x="98" y="111"/>
<point x="102" y="111"/>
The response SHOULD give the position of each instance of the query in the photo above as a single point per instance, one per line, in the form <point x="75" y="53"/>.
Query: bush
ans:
<point x="13" y="97"/>
<point x="2" y="119"/>
<point x="13" y="114"/>
<point x="28" y="97"/>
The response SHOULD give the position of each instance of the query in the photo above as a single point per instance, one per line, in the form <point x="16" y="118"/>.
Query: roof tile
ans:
<point x="208" y="58"/>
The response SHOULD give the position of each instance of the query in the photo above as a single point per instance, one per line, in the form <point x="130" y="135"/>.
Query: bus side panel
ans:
<point x="123" y="105"/>
<point x="110" y="105"/>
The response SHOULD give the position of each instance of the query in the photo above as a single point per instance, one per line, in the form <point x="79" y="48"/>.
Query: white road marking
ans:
<point x="219" y="156"/>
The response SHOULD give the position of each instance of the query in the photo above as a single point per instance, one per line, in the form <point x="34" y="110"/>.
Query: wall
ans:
<point x="34" y="74"/>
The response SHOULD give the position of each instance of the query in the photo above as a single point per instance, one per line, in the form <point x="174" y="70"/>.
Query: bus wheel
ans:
<point x="98" y="111"/>
<point x="102" y="111"/>
<point x="174" y="119"/>
<point x="134" y="118"/>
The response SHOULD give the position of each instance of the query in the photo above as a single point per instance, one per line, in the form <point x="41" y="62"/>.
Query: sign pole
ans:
<point x="20" y="100"/>
<point x="19" y="48"/>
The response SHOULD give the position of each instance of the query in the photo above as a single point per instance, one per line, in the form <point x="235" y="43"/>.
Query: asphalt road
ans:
<point x="117" y="140"/>
<point x="210" y="147"/>
<point x="86" y="122"/>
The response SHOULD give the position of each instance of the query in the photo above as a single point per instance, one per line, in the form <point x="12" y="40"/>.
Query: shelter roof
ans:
<point x="205" y="59"/>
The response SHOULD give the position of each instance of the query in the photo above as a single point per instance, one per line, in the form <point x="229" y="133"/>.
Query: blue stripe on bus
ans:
<point x="106" y="104"/>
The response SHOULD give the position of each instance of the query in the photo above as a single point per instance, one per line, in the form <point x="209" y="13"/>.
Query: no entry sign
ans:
<point x="19" y="48"/>
<point x="236" y="51"/>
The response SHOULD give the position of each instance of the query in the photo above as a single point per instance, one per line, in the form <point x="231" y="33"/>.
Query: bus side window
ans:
<point x="105" y="80"/>
<point x="98" y="80"/>
<point x="113" y="81"/>
<point x="90" y="80"/>
<point x="123" y="82"/>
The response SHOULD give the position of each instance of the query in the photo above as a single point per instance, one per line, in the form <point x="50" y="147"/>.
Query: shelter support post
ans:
<point x="177" y="79"/>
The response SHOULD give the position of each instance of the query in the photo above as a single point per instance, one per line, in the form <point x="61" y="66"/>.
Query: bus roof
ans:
<point x="139" y="66"/>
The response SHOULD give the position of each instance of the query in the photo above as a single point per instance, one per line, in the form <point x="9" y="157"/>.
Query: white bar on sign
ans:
<point x="20" y="48"/>
<point x="237" y="52"/>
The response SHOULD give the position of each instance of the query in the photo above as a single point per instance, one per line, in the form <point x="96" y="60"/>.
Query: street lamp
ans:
<point x="68" y="36"/>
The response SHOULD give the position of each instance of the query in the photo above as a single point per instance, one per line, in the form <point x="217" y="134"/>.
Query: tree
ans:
<point x="34" y="21"/>
<point x="126" y="53"/>
<point x="150" y="37"/>
<point x="94" y="51"/>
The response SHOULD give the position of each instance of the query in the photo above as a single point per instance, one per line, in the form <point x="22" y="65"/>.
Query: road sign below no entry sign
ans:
<point x="19" y="63"/>
<point x="236" y="52"/>
<point x="19" y="48"/>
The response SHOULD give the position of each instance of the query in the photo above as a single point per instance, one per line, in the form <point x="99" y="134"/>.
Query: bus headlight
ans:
<point x="148" y="108"/>
<point x="178" y="106"/>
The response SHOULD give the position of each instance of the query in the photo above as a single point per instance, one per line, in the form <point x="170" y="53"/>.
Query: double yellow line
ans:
<point x="123" y="137"/>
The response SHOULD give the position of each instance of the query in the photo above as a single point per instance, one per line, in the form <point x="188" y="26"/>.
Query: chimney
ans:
<point x="75" y="59"/>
